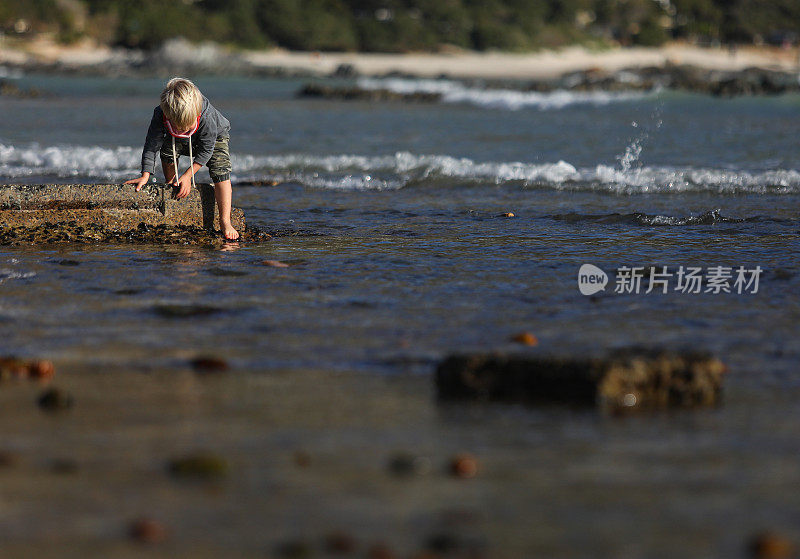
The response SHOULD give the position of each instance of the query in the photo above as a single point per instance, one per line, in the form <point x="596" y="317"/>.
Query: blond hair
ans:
<point x="181" y="102"/>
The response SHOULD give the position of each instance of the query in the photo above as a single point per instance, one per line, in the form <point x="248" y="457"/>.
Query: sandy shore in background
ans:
<point x="465" y="64"/>
<point x="536" y="65"/>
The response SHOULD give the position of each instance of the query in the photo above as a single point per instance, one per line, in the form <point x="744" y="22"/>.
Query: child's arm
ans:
<point x="185" y="182"/>
<point x="152" y="145"/>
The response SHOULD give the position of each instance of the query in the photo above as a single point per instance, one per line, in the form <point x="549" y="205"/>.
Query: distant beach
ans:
<point x="44" y="54"/>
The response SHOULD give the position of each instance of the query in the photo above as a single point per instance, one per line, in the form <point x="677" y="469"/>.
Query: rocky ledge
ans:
<point x="47" y="213"/>
<point x="624" y="380"/>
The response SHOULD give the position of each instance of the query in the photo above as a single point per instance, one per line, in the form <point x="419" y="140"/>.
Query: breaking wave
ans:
<point x="509" y="99"/>
<point x="386" y="172"/>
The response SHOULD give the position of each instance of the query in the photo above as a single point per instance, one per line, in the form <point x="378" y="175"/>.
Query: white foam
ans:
<point x="8" y="274"/>
<point x="510" y="99"/>
<point x="404" y="167"/>
<point x="69" y="161"/>
<point x="384" y="172"/>
<point x="10" y="73"/>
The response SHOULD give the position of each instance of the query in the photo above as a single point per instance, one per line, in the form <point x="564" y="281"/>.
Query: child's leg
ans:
<point x="219" y="167"/>
<point x="223" y="194"/>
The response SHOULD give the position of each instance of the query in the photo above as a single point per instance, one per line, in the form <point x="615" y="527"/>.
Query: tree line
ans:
<point x="405" y="25"/>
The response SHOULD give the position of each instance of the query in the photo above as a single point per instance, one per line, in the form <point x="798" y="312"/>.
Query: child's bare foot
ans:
<point x="228" y="232"/>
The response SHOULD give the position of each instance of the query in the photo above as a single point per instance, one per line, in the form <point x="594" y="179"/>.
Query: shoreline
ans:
<point x="541" y="65"/>
<point x="180" y="56"/>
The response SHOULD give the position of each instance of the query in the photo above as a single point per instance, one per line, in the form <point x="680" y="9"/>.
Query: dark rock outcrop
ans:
<point x="623" y="380"/>
<point x="750" y="81"/>
<point x="355" y="93"/>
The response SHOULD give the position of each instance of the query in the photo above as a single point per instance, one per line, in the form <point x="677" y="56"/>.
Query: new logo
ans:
<point x="591" y="279"/>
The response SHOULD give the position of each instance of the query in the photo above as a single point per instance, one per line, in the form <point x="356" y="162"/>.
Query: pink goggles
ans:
<point x="175" y="134"/>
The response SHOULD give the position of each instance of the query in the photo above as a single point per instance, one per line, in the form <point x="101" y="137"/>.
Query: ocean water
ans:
<point x="391" y="217"/>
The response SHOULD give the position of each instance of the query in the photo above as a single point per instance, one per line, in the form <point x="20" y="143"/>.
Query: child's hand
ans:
<point x="140" y="182"/>
<point x="184" y="186"/>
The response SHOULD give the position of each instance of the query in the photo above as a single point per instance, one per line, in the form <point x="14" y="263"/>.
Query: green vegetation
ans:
<point x="405" y="25"/>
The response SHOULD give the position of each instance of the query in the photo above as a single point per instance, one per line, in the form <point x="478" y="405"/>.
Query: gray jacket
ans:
<point x="212" y="125"/>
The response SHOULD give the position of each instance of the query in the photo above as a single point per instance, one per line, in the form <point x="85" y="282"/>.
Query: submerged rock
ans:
<point x="405" y="464"/>
<point x="55" y="399"/>
<point x="201" y="465"/>
<point x="770" y="545"/>
<point x="340" y="543"/>
<point x="8" y="459"/>
<point x="147" y="530"/>
<point x="64" y="466"/>
<point x="623" y="380"/>
<point x="380" y="551"/>
<point x="185" y="311"/>
<point x="10" y="89"/>
<point x="294" y="549"/>
<point x="209" y="364"/>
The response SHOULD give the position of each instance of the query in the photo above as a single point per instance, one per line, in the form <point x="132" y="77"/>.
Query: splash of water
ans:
<point x="633" y="151"/>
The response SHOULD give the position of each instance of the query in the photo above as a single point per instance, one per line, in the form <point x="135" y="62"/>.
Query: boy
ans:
<point x="198" y="130"/>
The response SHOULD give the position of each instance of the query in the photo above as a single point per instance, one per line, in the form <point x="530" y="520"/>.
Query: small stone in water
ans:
<point x="294" y="549"/>
<point x="127" y="291"/>
<point x="340" y="543"/>
<point x="782" y="274"/>
<point x="185" y="311"/>
<point x="202" y="465"/>
<point x="147" y="530"/>
<point x="442" y="543"/>
<point x="225" y="272"/>
<point x="8" y="459"/>
<point x="464" y="466"/>
<point x="525" y="338"/>
<point x="380" y="551"/>
<point x="769" y="545"/>
<point x="405" y="464"/>
<point x="275" y="263"/>
<point x="302" y="459"/>
<point x="55" y="399"/>
<point x="44" y="370"/>
<point x="64" y="466"/>
<point x="209" y="364"/>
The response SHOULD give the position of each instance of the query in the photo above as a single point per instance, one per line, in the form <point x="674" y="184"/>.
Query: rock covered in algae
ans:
<point x="199" y="465"/>
<point x="55" y="399"/>
<point x="115" y="207"/>
<point x="73" y="232"/>
<point x="623" y="380"/>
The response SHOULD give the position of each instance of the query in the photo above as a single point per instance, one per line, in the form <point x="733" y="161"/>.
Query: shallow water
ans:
<point x="390" y="217"/>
